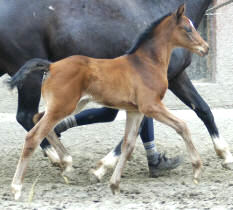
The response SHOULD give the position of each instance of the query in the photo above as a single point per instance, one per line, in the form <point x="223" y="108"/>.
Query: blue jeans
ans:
<point x="101" y="115"/>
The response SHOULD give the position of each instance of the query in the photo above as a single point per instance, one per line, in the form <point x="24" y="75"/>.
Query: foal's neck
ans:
<point x="158" y="49"/>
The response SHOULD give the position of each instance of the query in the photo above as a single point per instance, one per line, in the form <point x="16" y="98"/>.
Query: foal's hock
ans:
<point x="135" y="82"/>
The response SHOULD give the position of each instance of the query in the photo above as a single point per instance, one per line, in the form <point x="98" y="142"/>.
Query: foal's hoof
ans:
<point x="68" y="175"/>
<point x="115" y="189"/>
<point x="51" y="153"/>
<point x="195" y="181"/>
<point x="16" y="190"/>
<point x="228" y="166"/>
<point x="67" y="181"/>
<point x="93" y="177"/>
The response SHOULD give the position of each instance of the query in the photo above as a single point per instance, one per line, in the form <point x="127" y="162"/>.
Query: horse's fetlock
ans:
<point x="197" y="164"/>
<point x="129" y="147"/>
<point x="99" y="164"/>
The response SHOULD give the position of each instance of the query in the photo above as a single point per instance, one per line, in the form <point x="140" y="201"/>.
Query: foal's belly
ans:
<point x="114" y="102"/>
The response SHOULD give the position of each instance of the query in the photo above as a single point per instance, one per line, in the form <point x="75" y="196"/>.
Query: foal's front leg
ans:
<point x="160" y="113"/>
<point x="133" y="121"/>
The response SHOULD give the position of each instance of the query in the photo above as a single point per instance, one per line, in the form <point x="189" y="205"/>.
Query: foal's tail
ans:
<point x="35" y="64"/>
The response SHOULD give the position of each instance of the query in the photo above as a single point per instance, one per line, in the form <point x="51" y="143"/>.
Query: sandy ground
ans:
<point x="87" y="144"/>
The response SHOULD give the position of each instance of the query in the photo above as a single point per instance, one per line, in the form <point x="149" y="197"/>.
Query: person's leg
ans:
<point x="157" y="162"/>
<point x="89" y="116"/>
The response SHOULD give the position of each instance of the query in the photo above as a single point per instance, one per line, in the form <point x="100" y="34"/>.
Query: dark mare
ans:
<point x="135" y="82"/>
<point x="55" y="29"/>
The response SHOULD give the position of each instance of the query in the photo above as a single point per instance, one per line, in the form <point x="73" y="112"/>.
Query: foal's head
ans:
<point x="185" y="35"/>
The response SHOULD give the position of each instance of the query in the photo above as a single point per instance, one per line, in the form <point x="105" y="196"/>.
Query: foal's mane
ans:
<point x="146" y="34"/>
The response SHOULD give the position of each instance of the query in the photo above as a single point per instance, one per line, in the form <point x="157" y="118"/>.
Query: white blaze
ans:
<point x="191" y="23"/>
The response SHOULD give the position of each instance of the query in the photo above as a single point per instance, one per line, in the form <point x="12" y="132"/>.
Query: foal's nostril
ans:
<point x="205" y="50"/>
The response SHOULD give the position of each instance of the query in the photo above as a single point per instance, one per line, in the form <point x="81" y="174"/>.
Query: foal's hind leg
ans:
<point x="36" y="135"/>
<point x="64" y="156"/>
<point x="52" y="152"/>
<point x="33" y="139"/>
<point x="131" y="131"/>
<point x="49" y="151"/>
<point x="60" y="156"/>
<point x="65" y="159"/>
<point x="160" y="113"/>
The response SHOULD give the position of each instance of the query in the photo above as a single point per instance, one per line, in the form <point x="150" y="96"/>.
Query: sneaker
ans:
<point x="162" y="164"/>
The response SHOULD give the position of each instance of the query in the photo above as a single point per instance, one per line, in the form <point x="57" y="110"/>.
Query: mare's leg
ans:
<point x="133" y="121"/>
<point x="160" y="113"/>
<point x="182" y="87"/>
<point x="28" y="102"/>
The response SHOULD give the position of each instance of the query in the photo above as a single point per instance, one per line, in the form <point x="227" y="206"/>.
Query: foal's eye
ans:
<point x="188" y="29"/>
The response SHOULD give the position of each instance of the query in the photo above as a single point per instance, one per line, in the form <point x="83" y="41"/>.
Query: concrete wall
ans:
<point x="218" y="90"/>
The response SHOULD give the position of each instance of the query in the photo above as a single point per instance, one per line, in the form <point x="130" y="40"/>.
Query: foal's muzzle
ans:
<point x="202" y="50"/>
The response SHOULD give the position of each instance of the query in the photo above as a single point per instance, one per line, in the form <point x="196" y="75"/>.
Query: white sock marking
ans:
<point x="222" y="146"/>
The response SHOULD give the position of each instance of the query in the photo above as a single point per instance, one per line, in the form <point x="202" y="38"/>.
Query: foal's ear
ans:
<point x="180" y="12"/>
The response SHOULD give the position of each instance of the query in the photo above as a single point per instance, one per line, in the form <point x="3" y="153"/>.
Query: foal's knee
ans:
<point x="148" y="110"/>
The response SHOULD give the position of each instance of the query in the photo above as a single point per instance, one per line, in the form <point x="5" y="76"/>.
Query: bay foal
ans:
<point x="135" y="82"/>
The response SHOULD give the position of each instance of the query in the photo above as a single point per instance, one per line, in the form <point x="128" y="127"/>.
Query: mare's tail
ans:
<point x="35" y="64"/>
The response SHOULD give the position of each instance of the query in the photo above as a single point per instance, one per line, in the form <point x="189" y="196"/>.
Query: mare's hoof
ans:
<point x="92" y="177"/>
<point x="16" y="190"/>
<point x="115" y="189"/>
<point x="228" y="166"/>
